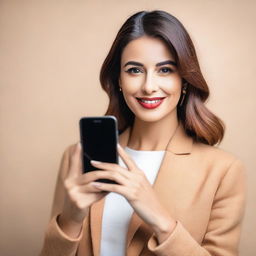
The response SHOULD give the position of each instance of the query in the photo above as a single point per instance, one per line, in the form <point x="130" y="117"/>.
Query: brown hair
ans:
<point x="198" y="122"/>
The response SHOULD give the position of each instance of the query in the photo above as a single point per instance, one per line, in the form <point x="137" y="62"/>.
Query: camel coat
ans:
<point x="203" y="188"/>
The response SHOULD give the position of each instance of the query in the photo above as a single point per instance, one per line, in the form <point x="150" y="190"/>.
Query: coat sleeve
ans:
<point x="56" y="242"/>
<point x="224" y="227"/>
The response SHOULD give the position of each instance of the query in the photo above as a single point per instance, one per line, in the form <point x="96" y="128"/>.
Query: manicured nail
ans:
<point x="95" y="162"/>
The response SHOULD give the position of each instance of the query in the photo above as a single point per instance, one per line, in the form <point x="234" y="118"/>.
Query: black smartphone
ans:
<point x="99" y="138"/>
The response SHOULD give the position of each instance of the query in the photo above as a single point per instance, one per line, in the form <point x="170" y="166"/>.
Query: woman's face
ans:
<point x="149" y="79"/>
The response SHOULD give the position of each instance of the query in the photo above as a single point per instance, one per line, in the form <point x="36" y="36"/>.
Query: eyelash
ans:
<point x="168" y="69"/>
<point x="132" y="70"/>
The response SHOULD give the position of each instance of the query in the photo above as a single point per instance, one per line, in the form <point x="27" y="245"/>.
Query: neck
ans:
<point x="152" y="135"/>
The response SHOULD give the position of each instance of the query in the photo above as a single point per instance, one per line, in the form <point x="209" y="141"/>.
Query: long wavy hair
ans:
<point x="198" y="121"/>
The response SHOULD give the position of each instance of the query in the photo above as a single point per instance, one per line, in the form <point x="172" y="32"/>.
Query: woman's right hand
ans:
<point x="80" y="195"/>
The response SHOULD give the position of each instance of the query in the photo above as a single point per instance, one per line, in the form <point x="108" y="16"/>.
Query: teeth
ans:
<point x="149" y="101"/>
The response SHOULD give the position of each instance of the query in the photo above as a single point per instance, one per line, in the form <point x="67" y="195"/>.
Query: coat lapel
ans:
<point x="181" y="144"/>
<point x="96" y="212"/>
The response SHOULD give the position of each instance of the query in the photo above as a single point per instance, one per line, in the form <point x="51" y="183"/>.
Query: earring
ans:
<point x="120" y="89"/>
<point x="184" y="91"/>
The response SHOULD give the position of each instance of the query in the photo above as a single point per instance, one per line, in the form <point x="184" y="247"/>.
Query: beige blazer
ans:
<point x="203" y="188"/>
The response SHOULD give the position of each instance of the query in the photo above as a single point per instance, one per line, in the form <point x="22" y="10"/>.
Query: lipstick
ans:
<point x="150" y="103"/>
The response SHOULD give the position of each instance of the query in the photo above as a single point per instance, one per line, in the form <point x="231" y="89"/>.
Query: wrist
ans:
<point x="164" y="229"/>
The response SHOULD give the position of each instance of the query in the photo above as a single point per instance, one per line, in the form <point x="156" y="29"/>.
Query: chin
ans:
<point x="149" y="118"/>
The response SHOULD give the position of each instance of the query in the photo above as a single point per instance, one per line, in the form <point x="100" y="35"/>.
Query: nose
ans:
<point x="149" y="86"/>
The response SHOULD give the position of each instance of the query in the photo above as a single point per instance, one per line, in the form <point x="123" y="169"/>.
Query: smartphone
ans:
<point x="99" y="138"/>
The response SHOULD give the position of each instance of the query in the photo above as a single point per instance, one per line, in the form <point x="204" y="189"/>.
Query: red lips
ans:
<point x="150" y="103"/>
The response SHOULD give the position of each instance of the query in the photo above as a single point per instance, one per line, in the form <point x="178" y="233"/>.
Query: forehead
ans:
<point x="146" y="49"/>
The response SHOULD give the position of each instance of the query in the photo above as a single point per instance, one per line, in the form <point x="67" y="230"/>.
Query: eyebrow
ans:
<point x="135" y="63"/>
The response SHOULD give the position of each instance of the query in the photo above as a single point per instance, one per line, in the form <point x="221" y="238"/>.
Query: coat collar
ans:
<point x="180" y="144"/>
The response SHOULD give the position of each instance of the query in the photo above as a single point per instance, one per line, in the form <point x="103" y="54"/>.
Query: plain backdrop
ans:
<point x="50" y="57"/>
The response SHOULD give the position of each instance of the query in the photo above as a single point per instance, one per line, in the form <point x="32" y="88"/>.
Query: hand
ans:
<point x="134" y="186"/>
<point x="80" y="195"/>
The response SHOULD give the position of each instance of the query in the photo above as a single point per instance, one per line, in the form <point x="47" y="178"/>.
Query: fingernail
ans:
<point x="96" y="184"/>
<point x="95" y="162"/>
<point x="118" y="145"/>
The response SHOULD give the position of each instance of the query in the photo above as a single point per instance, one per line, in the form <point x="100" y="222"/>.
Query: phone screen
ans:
<point x="99" y="140"/>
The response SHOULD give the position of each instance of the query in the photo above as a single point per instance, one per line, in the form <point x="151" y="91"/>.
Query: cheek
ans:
<point x="171" y="86"/>
<point x="130" y="85"/>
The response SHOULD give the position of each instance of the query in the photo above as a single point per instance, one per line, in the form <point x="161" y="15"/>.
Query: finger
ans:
<point x="89" y="177"/>
<point x="105" y="187"/>
<point x="76" y="164"/>
<point x="110" y="166"/>
<point x="106" y="174"/>
<point x="126" y="158"/>
<point x="89" y="188"/>
<point x="107" y="166"/>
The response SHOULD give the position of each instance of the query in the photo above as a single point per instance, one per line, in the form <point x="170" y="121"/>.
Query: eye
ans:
<point x="165" y="70"/>
<point x="133" y="70"/>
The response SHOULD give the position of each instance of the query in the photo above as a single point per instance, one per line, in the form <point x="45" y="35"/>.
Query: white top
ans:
<point x="117" y="211"/>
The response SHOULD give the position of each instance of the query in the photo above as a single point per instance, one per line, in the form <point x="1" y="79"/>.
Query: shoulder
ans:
<point x="214" y="152"/>
<point x="217" y="158"/>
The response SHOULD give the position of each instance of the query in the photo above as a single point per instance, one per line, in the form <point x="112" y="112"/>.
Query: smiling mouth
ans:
<point x="150" y="103"/>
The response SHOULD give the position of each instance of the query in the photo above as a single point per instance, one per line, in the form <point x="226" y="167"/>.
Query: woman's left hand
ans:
<point x="134" y="186"/>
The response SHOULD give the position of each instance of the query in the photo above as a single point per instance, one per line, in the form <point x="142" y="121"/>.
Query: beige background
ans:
<point x="50" y="57"/>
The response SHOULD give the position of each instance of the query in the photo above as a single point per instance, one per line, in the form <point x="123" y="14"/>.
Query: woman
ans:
<point x="176" y="194"/>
